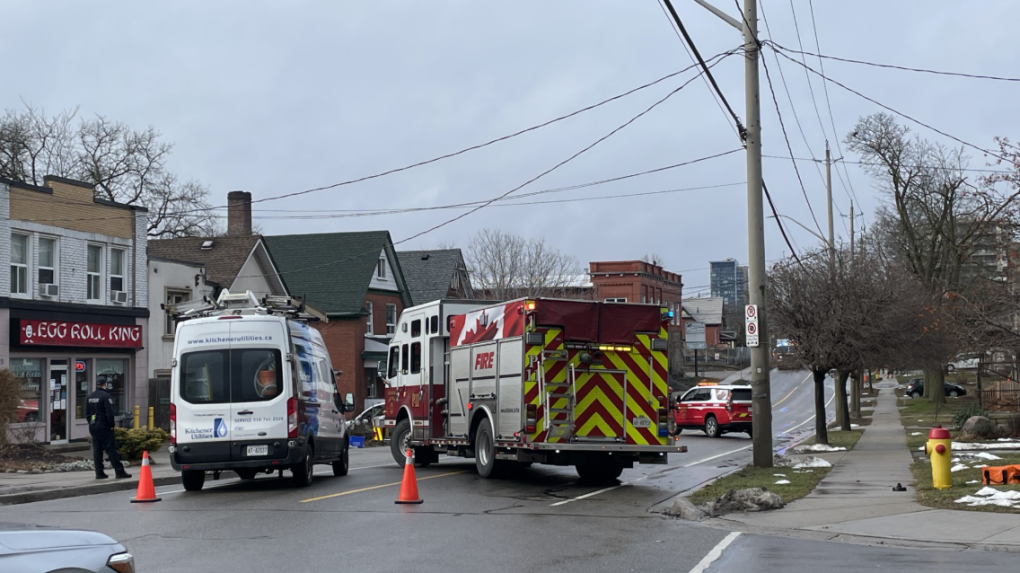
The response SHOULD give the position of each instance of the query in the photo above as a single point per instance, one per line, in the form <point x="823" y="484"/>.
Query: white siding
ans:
<point x="389" y="282"/>
<point x="164" y="276"/>
<point x="252" y="277"/>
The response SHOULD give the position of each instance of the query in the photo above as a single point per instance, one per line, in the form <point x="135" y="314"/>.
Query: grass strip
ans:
<point x="801" y="483"/>
<point x="946" y="498"/>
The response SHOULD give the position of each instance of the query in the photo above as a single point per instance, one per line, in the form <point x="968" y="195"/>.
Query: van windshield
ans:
<point x="223" y="376"/>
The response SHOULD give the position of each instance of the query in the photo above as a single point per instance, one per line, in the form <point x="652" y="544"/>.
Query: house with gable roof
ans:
<point x="356" y="284"/>
<point x="437" y="274"/>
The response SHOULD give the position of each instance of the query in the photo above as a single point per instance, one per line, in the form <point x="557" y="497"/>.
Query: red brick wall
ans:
<point x="379" y="302"/>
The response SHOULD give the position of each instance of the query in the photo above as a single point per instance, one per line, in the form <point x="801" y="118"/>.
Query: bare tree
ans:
<point x="505" y="266"/>
<point x="843" y="314"/>
<point x="124" y="165"/>
<point x="935" y="222"/>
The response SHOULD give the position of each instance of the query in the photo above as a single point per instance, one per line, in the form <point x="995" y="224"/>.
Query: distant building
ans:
<point x="729" y="281"/>
<point x="708" y="311"/>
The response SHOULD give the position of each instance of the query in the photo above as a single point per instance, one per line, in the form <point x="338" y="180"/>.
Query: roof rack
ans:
<point x="239" y="303"/>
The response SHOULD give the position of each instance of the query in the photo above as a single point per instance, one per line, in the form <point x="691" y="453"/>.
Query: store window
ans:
<point x="113" y="372"/>
<point x="82" y="370"/>
<point x="19" y="264"/>
<point x="29" y="372"/>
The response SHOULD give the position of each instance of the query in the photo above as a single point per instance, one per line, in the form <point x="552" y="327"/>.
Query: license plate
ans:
<point x="642" y="422"/>
<point x="258" y="450"/>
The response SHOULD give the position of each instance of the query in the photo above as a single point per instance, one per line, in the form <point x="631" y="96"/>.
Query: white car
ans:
<point x="965" y="362"/>
<point x="369" y="415"/>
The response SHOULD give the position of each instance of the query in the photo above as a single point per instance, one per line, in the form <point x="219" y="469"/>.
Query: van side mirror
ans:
<point x="348" y="407"/>
<point x="349" y="402"/>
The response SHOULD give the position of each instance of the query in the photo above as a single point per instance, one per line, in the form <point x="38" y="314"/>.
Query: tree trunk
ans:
<point x="935" y="385"/>
<point x="821" y="433"/>
<point x="855" y="393"/>
<point x="842" y="403"/>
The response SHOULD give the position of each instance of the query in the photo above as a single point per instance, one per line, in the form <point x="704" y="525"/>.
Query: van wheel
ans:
<point x="193" y="480"/>
<point x="343" y="465"/>
<point x="398" y="441"/>
<point x="301" y="473"/>
<point x="712" y="427"/>
<point x="485" y="453"/>
<point x="246" y="473"/>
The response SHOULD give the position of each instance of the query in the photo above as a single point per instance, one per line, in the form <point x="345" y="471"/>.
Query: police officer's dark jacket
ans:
<point x="99" y="410"/>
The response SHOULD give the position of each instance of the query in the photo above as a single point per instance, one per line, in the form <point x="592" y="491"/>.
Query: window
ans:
<point x="391" y="318"/>
<point x="404" y="363"/>
<point x="415" y="328"/>
<point x="94" y="273"/>
<point x="47" y="261"/>
<point x="174" y="297"/>
<point x="394" y="363"/>
<point x="28" y="372"/>
<point x="19" y="264"/>
<point x="113" y="372"/>
<point x="616" y="300"/>
<point x="222" y="376"/>
<point x="434" y="321"/>
<point x="381" y="269"/>
<point x="415" y="358"/>
<point x="370" y="328"/>
<point x="117" y="270"/>
<point x="204" y="377"/>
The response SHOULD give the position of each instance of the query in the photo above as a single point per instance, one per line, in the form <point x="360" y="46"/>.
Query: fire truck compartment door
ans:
<point x="511" y="397"/>
<point x="458" y="389"/>
<point x="600" y="410"/>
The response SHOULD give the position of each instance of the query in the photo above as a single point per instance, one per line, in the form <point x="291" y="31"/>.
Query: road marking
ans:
<point x="236" y="481"/>
<point x="587" y="495"/>
<point x="792" y="391"/>
<point x="716" y="456"/>
<point x="812" y="417"/>
<point x="370" y="488"/>
<point x="715" y="553"/>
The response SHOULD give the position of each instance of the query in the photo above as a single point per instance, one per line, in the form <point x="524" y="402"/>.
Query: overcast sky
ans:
<point x="277" y="97"/>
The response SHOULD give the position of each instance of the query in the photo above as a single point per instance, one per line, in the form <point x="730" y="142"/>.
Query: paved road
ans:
<point x="542" y="520"/>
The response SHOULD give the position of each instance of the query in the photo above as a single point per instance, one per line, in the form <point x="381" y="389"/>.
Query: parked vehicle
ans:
<point x="915" y="389"/>
<point x="369" y="416"/>
<point x="965" y="362"/>
<point x="28" y="410"/>
<point x="714" y="409"/>
<point x="37" y="550"/>
<point x="561" y="382"/>
<point x="253" y="390"/>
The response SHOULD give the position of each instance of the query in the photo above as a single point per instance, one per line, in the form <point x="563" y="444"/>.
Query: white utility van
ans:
<point x="252" y="391"/>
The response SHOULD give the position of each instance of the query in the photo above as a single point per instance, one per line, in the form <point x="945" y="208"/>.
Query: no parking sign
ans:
<point x="751" y="325"/>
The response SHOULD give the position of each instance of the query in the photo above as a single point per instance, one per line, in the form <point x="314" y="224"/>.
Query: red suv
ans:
<point x="714" y="409"/>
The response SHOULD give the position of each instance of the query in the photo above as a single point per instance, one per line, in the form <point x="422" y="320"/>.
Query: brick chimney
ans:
<point x="238" y="214"/>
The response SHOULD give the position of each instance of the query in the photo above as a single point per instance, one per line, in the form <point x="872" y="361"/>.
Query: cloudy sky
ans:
<point x="278" y="97"/>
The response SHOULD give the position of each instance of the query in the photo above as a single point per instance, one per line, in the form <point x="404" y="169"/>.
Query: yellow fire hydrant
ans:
<point x="938" y="447"/>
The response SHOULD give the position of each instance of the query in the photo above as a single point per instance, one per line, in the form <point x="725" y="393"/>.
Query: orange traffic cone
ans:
<point x="146" y="490"/>
<point x="409" y="485"/>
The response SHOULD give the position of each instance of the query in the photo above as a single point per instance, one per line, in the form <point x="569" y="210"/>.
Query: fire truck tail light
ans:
<point x="292" y="422"/>
<point x="531" y="418"/>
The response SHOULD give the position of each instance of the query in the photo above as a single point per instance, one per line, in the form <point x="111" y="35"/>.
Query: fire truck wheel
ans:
<point x="398" y="441"/>
<point x="485" y="453"/>
<point x="603" y="472"/>
<point x="712" y="427"/>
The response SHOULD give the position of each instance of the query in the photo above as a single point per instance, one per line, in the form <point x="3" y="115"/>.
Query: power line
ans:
<point x="895" y="111"/>
<point x="897" y="67"/>
<point x="800" y="42"/>
<point x="873" y="164"/>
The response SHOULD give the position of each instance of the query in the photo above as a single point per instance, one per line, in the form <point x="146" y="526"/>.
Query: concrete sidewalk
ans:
<point x="29" y="487"/>
<point x="856" y="497"/>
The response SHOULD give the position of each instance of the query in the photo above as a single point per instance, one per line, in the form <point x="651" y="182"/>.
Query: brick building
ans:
<point x="355" y="283"/>
<point x="643" y="282"/>
<point x="73" y="297"/>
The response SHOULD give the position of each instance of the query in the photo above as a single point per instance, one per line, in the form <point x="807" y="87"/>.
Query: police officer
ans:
<point x="99" y="412"/>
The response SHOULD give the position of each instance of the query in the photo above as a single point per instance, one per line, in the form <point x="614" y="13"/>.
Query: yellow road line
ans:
<point x="792" y="391"/>
<point x="370" y="488"/>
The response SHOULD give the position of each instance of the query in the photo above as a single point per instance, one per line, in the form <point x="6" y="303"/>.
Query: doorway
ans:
<point x="58" y="400"/>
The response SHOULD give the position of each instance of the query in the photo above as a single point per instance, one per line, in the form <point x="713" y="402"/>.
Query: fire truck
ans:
<point x="561" y="382"/>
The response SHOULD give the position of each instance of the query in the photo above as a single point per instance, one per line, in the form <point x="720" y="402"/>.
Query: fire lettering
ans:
<point x="484" y="360"/>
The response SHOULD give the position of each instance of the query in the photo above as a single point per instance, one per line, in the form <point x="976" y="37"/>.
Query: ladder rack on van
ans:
<point x="240" y="303"/>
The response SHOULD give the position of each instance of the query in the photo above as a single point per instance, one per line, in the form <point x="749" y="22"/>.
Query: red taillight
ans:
<point x="173" y="423"/>
<point x="292" y="425"/>
<point x="729" y="403"/>
<point x="530" y="418"/>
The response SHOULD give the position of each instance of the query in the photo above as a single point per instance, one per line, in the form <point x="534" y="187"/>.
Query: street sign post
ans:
<point x="696" y="335"/>
<point x="751" y="325"/>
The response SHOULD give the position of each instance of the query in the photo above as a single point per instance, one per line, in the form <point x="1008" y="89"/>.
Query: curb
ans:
<point x="66" y="492"/>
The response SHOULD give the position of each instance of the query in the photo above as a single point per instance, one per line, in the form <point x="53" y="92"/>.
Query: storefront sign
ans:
<point x="59" y="333"/>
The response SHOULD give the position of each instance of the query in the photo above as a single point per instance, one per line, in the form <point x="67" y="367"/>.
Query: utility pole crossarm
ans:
<point x="722" y="15"/>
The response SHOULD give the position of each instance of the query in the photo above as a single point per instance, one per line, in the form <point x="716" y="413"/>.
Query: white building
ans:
<point x="75" y="301"/>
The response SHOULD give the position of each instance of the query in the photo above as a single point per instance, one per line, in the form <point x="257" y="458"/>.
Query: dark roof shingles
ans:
<point x="430" y="279"/>
<point x="222" y="262"/>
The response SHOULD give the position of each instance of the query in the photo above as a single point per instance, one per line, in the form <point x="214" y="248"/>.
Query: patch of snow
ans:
<point x="819" y="448"/>
<point x="779" y="475"/>
<point x="965" y="446"/>
<point x="852" y="426"/>
<point x="959" y="467"/>
<point x="973" y="481"/>
<point x="811" y="462"/>
<point x="1008" y="439"/>
<point x="915" y="433"/>
<point x="982" y="456"/>
<point x="989" y="496"/>
<point x="783" y="482"/>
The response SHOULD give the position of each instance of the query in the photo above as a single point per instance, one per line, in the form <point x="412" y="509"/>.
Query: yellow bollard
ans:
<point x="152" y="417"/>
<point x="134" y="423"/>
<point x="939" y="448"/>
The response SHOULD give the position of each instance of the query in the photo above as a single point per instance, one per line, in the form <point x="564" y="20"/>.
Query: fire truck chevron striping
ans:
<point x="531" y="381"/>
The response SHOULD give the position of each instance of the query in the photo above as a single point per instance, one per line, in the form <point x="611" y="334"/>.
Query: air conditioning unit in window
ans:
<point x="118" y="296"/>
<point x="49" y="290"/>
